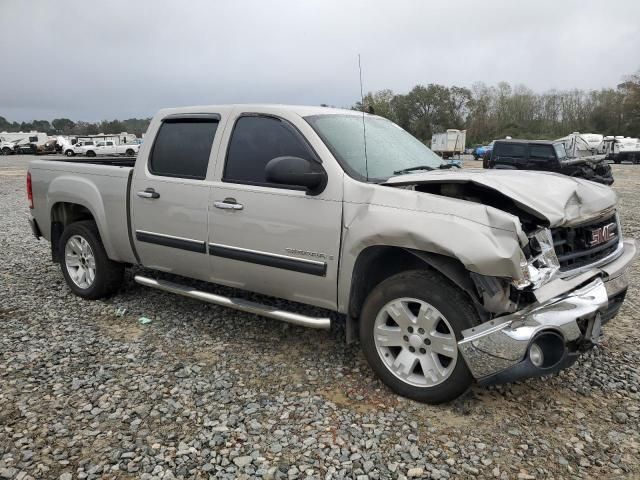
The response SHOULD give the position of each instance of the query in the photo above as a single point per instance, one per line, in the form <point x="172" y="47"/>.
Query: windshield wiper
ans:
<point x="412" y="169"/>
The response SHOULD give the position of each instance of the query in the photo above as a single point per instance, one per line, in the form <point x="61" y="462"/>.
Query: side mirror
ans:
<point x="296" y="172"/>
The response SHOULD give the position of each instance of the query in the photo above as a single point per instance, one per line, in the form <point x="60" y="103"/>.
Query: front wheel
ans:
<point x="130" y="153"/>
<point x="91" y="153"/>
<point x="409" y="331"/>
<point x="87" y="269"/>
<point x="69" y="153"/>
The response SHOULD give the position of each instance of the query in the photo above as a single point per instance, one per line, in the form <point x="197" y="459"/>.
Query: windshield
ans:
<point x="389" y="148"/>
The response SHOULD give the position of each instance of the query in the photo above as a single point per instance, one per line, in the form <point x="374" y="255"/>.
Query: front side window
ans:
<point x="389" y="149"/>
<point x="182" y="147"/>
<point x="255" y="141"/>
<point x="541" y="152"/>
<point x="560" y="151"/>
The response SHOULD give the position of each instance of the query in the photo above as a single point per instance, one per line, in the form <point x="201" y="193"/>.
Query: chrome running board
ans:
<point x="237" y="303"/>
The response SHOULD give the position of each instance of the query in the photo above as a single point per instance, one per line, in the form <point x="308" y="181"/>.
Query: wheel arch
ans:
<point x="63" y="214"/>
<point x="376" y="263"/>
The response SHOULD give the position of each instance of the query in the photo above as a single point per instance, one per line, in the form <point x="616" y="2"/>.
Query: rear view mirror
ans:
<point x="296" y="172"/>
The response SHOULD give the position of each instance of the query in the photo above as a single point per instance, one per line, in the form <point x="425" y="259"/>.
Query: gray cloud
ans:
<point x="97" y="60"/>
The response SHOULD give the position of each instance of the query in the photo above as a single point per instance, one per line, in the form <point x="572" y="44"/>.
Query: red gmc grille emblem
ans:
<point x="602" y="234"/>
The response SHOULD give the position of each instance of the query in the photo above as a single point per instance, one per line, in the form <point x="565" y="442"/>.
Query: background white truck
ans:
<point x="449" y="143"/>
<point x="110" y="147"/>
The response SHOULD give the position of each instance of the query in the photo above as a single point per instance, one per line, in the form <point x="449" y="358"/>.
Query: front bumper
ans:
<point x="498" y="350"/>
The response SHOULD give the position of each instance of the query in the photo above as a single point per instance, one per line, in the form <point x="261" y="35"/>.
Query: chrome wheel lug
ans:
<point x="412" y="350"/>
<point x="423" y="351"/>
<point x="421" y="331"/>
<point x="427" y="341"/>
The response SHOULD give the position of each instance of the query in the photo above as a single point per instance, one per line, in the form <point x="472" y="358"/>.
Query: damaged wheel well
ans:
<point x="489" y="295"/>
<point x="374" y="264"/>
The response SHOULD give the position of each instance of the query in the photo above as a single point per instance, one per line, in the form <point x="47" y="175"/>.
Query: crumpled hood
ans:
<point x="558" y="199"/>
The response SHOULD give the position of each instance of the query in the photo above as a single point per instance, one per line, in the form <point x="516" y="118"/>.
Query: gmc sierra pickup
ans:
<point x="445" y="276"/>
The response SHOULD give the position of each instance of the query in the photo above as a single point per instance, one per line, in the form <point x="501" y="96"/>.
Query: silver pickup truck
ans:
<point x="445" y="276"/>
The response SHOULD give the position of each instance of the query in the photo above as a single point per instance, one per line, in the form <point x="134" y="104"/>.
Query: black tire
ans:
<point x="130" y="152"/>
<point x="69" y="153"/>
<point x="109" y="274"/>
<point x="432" y="288"/>
<point x="91" y="153"/>
<point x="6" y="151"/>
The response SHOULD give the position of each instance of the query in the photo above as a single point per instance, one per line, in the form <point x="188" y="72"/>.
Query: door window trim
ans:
<point x="315" y="157"/>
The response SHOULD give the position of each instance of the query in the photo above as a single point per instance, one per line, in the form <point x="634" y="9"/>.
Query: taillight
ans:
<point x="29" y="190"/>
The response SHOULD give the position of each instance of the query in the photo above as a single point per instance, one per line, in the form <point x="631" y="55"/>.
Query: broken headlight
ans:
<point x="543" y="263"/>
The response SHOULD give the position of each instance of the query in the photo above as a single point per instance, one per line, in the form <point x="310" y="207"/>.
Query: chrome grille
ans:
<point x="586" y="244"/>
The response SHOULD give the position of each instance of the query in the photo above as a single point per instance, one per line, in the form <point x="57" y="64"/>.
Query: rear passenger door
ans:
<point x="273" y="239"/>
<point x="169" y="197"/>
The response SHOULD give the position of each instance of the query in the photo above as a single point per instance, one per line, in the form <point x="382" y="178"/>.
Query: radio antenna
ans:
<point x="364" y="128"/>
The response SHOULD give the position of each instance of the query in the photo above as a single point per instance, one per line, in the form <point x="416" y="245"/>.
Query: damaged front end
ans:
<point x="572" y="276"/>
<point x="570" y="286"/>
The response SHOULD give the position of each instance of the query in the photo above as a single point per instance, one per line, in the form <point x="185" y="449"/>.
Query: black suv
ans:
<point x="547" y="156"/>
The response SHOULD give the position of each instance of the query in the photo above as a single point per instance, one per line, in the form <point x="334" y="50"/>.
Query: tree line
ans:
<point x="486" y="112"/>
<point x="490" y="112"/>
<point x="65" y="126"/>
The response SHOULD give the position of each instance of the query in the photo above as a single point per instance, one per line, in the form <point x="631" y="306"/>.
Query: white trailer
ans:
<point x="32" y="137"/>
<point x="620" y="149"/>
<point x="579" y="145"/>
<point x="449" y="143"/>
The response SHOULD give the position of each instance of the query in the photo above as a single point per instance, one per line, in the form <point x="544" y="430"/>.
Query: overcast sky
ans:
<point x="94" y="60"/>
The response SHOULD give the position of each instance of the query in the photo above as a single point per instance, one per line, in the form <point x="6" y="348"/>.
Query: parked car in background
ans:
<point x="480" y="151"/>
<point x="8" y="147"/>
<point x="111" y="148"/>
<point x="79" y="148"/>
<point x="445" y="276"/>
<point x="48" y="147"/>
<point x="549" y="156"/>
<point x="25" y="147"/>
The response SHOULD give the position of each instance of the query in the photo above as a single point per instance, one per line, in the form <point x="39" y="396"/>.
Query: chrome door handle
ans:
<point x="228" y="204"/>
<point x="148" y="193"/>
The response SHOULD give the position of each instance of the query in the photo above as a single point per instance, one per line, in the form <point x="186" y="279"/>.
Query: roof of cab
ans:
<point x="536" y="142"/>
<point x="302" y="110"/>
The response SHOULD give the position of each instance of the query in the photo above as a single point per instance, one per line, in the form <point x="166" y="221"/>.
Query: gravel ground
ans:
<point x="205" y="391"/>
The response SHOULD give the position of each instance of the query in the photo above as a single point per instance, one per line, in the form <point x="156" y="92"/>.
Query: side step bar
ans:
<point x="237" y="303"/>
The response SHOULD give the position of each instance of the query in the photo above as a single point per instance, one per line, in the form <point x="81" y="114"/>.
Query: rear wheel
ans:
<point x="91" y="153"/>
<point x="69" y="153"/>
<point x="409" y="329"/>
<point x="130" y="152"/>
<point x="6" y="151"/>
<point x="87" y="269"/>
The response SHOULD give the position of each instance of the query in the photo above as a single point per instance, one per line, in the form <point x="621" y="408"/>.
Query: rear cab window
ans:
<point x="182" y="147"/>
<point x="542" y="152"/>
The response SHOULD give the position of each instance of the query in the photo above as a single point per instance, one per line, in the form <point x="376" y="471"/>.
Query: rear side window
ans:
<point x="255" y="141"/>
<point x="541" y="152"/>
<point x="510" y="150"/>
<point x="182" y="147"/>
